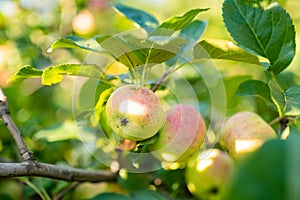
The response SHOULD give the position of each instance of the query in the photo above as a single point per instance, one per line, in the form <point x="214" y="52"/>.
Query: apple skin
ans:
<point x="134" y="112"/>
<point x="209" y="173"/>
<point x="181" y="136"/>
<point x="245" y="132"/>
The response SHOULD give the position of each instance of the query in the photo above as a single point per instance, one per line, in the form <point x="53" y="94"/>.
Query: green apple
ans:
<point x="209" y="173"/>
<point x="244" y="132"/>
<point x="181" y="136"/>
<point x="134" y="112"/>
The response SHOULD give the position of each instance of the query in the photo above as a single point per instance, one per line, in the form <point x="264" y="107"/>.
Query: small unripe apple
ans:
<point x="244" y="132"/>
<point x="181" y="136"/>
<point x="209" y="173"/>
<point x="134" y="112"/>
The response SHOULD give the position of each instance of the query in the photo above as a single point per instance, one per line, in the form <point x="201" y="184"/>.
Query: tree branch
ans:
<point x="32" y="168"/>
<point x="9" y="123"/>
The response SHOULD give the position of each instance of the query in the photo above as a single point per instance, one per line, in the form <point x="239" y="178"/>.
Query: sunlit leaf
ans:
<point x="26" y="72"/>
<point x="255" y="88"/>
<point x="101" y="102"/>
<point x="173" y="24"/>
<point x="292" y="96"/>
<point x="65" y="131"/>
<point x="140" y="17"/>
<point x="223" y="49"/>
<point x="266" y="31"/>
<point x="54" y="74"/>
<point x="73" y="41"/>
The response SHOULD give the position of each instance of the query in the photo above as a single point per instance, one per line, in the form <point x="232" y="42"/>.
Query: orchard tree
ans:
<point x="161" y="119"/>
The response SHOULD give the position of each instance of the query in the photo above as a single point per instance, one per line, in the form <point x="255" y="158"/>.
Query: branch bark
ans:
<point x="9" y="123"/>
<point x="30" y="167"/>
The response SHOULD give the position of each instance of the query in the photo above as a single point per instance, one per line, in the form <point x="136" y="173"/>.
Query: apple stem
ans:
<point x="144" y="73"/>
<point x="283" y="123"/>
<point x="159" y="82"/>
<point x="165" y="75"/>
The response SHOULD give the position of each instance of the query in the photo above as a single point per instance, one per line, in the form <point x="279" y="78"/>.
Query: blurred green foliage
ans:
<point x="28" y="28"/>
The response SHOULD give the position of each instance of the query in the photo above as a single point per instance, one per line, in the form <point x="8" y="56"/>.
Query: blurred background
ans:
<point x="29" y="27"/>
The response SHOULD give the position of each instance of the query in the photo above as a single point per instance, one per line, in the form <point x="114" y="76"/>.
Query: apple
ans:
<point x="209" y="173"/>
<point x="244" y="132"/>
<point x="181" y="136"/>
<point x="134" y="112"/>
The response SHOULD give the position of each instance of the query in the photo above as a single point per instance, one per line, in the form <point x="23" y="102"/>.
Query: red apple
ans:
<point x="182" y="135"/>
<point x="135" y="112"/>
<point x="244" y="132"/>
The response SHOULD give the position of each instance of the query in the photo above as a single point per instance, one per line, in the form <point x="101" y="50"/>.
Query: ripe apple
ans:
<point x="134" y="112"/>
<point x="244" y="132"/>
<point x="209" y="173"/>
<point x="181" y="136"/>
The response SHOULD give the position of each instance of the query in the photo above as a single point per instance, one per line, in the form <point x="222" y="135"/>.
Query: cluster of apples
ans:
<point x="136" y="113"/>
<point x="209" y="173"/>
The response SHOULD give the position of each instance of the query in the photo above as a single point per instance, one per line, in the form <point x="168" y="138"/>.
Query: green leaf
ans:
<point x="292" y="96"/>
<point x="223" y="49"/>
<point x="263" y="175"/>
<point x="54" y="74"/>
<point x="147" y="195"/>
<point x="136" y="195"/>
<point x="26" y="72"/>
<point x="133" y="52"/>
<point x="73" y="41"/>
<point x="111" y="196"/>
<point x="100" y="116"/>
<point x="231" y="86"/>
<point x="255" y="88"/>
<point x="295" y="127"/>
<point x="124" y="52"/>
<point x="191" y="33"/>
<point x="102" y="101"/>
<point x="194" y="30"/>
<point x="141" y="18"/>
<point x="268" y="31"/>
<point x="162" y="53"/>
<point x="173" y="24"/>
<point x="277" y="96"/>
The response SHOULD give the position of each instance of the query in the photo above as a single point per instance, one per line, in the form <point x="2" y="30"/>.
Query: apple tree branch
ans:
<point x="30" y="167"/>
